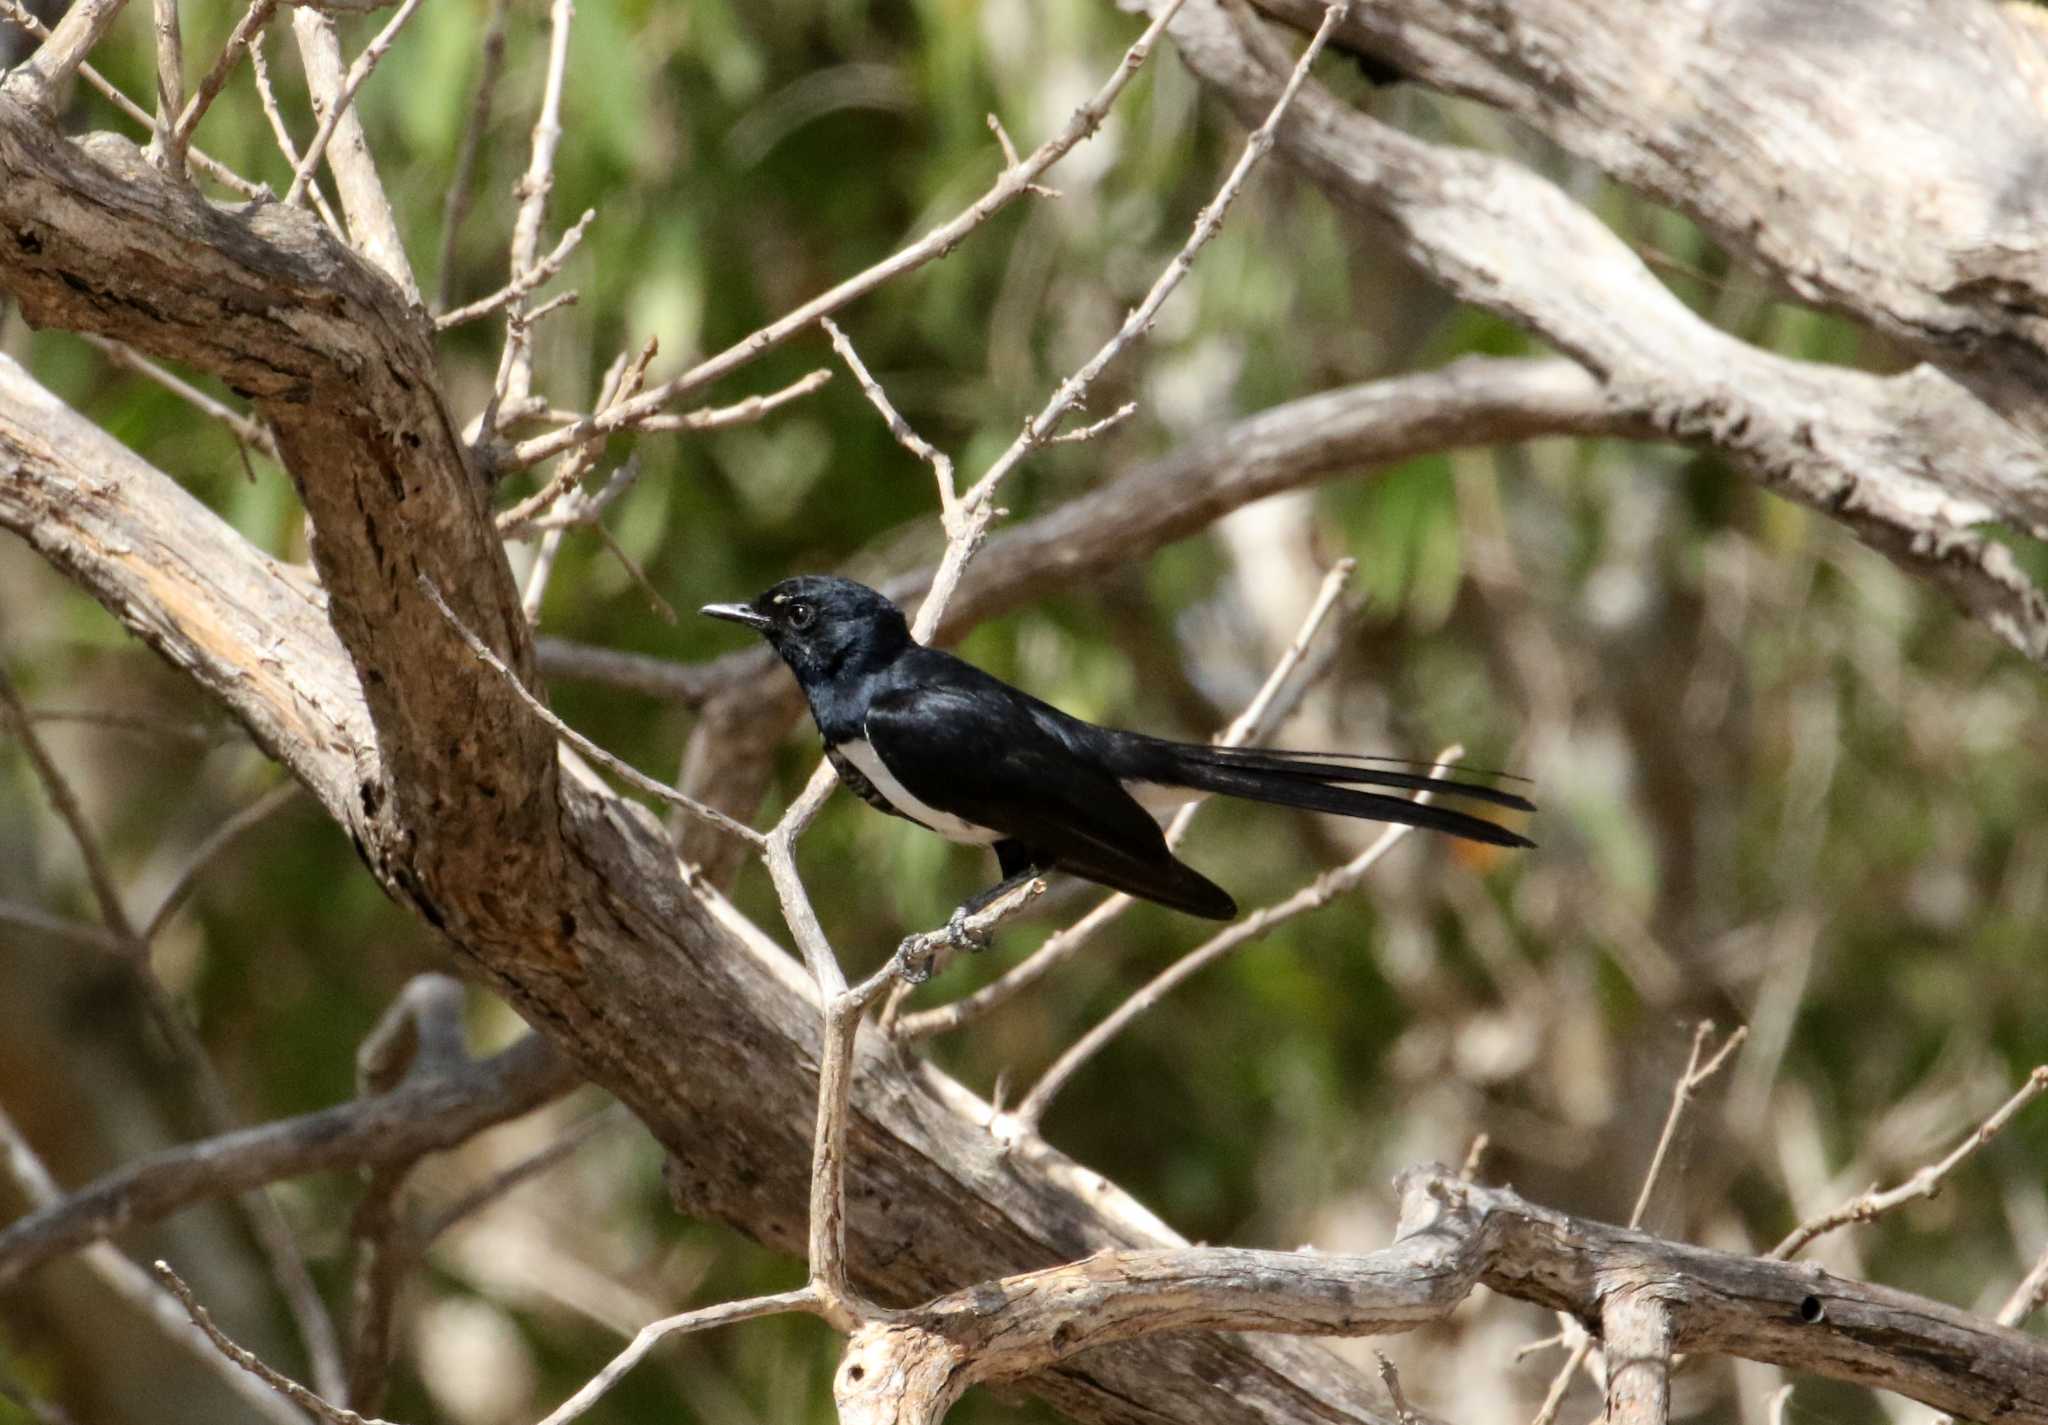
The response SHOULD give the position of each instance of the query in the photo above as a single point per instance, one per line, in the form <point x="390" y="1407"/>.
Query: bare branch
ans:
<point x="804" y="1299"/>
<point x="371" y="223"/>
<point x="253" y="20"/>
<point x="462" y="186"/>
<point x="976" y="507"/>
<point x="211" y="167"/>
<point x="581" y="743"/>
<point x="1923" y="1184"/>
<point x="248" y="1360"/>
<point x="422" y="1115"/>
<point x="1010" y="185"/>
<point x="37" y="79"/>
<point x="125" y="1280"/>
<point x="1453" y="1236"/>
<point x="335" y="105"/>
<point x="1493" y="233"/>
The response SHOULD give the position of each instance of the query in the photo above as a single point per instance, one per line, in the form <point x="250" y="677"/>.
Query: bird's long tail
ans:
<point x="1320" y="782"/>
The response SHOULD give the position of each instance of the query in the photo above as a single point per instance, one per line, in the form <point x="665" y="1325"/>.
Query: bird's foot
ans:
<point x="969" y="928"/>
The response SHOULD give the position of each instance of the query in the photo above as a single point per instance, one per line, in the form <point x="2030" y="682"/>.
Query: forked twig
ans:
<point x="1869" y="1206"/>
<point x="1012" y="183"/>
<point x="570" y="735"/>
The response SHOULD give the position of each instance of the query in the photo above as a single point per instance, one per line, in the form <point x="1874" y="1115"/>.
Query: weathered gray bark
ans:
<point x="1886" y="161"/>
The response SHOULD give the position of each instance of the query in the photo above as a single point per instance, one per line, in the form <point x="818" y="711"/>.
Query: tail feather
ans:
<point x="1284" y="779"/>
<point x="1328" y="767"/>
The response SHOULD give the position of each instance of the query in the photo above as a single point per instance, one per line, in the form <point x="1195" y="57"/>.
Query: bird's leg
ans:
<point x="969" y="927"/>
<point x="974" y="905"/>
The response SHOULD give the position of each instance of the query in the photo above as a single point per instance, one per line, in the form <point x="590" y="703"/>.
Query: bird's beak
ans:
<point x="736" y="613"/>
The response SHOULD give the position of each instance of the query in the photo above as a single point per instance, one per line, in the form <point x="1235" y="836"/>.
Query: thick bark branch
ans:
<point x="428" y="1113"/>
<point x="1883" y="160"/>
<point x="1910" y="463"/>
<point x="1652" y="1296"/>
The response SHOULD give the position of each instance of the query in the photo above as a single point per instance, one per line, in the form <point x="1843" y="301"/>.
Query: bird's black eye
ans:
<point x="801" y="616"/>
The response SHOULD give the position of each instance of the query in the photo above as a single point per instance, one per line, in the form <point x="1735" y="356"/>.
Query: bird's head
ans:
<point x="821" y="624"/>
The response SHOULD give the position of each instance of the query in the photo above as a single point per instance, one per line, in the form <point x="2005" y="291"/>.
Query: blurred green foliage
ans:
<point x="1782" y="784"/>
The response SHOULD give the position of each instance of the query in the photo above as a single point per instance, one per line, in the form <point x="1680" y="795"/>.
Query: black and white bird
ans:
<point x="921" y="734"/>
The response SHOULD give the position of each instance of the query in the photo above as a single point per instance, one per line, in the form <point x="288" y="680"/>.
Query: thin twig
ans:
<point x="42" y="922"/>
<point x="37" y="79"/>
<point x="512" y="1176"/>
<point x="978" y="503"/>
<point x="266" y="95"/>
<point x="581" y="743"/>
<point x="372" y="225"/>
<point x="624" y="378"/>
<point x="1688" y="1083"/>
<point x="222" y="837"/>
<point x="580" y="460"/>
<point x="1925" y="1183"/>
<point x="212" y="167"/>
<point x="249" y="1361"/>
<point x="515" y="374"/>
<point x="1088" y="432"/>
<point x="253" y="19"/>
<point x="541" y="272"/>
<point x="1246" y="727"/>
<point x="337" y="105"/>
<point x="1012" y="183"/>
<point x="1318" y="893"/>
<point x="1561" y="1382"/>
<point x="909" y="439"/>
<point x="803" y="1299"/>
<point x="14" y="714"/>
<point x="841" y="1304"/>
<point x="170" y="87"/>
<point x="245" y="430"/>
<point x="744" y="412"/>
<point x="1404" y="1414"/>
<point x="462" y="187"/>
<point x="2027" y="1297"/>
<point x="126" y="1281"/>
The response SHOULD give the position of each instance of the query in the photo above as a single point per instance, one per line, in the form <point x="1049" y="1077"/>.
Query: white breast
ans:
<point x="862" y="754"/>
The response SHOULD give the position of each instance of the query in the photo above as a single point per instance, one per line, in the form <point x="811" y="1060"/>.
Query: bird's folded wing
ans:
<point x="988" y="760"/>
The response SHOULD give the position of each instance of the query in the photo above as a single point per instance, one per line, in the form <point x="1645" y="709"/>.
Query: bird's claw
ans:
<point x="962" y="934"/>
<point x="916" y="955"/>
<point x="914" y="959"/>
